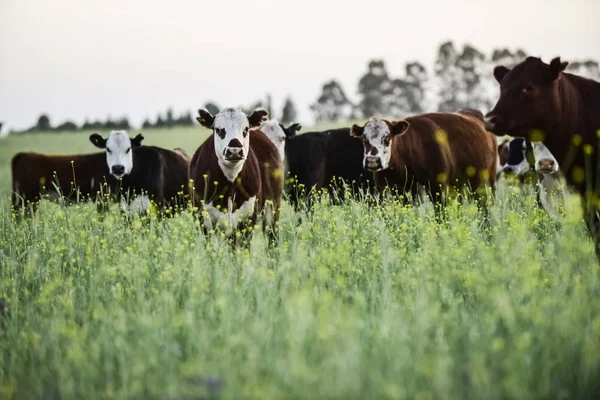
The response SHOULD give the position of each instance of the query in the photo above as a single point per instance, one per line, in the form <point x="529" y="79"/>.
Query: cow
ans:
<point x="237" y="175"/>
<point x="534" y="158"/>
<point x="72" y="178"/>
<point x="429" y="151"/>
<point x="318" y="160"/>
<point x="145" y="173"/>
<point x="541" y="102"/>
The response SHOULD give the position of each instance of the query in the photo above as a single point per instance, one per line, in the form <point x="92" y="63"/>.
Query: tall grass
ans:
<point x="357" y="301"/>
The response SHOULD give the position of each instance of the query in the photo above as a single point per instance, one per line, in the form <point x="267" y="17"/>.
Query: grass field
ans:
<point x="356" y="302"/>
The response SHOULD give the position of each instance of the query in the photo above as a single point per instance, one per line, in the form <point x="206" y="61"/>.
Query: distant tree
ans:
<point x="416" y="79"/>
<point x="471" y="64"/>
<point x="448" y="77"/>
<point x="159" y="122"/>
<point x="372" y="88"/>
<point x="507" y="58"/>
<point x="185" y="119"/>
<point x="122" y="123"/>
<point x="43" y="124"/>
<point x="588" y="69"/>
<point x="332" y="104"/>
<point x="147" y="124"/>
<point x="289" y="113"/>
<point x="254" y="106"/>
<point x="169" y="120"/>
<point x="269" y="106"/>
<point x="67" y="126"/>
<point x="212" y="108"/>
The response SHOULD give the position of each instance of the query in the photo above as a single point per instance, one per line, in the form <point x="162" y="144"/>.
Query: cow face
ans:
<point x="231" y="129"/>
<point x="278" y="134"/>
<point x="518" y="163"/>
<point x="119" y="156"/>
<point x="529" y="98"/>
<point x="545" y="162"/>
<point x="377" y="137"/>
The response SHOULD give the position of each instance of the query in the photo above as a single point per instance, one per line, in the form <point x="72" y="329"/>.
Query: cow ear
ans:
<point x="292" y="130"/>
<point x="357" y="131"/>
<point x="98" y="141"/>
<point x="500" y="72"/>
<point x="258" y="117"/>
<point x="556" y="67"/>
<point x="205" y="118"/>
<point x="399" y="127"/>
<point x="137" y="141"/>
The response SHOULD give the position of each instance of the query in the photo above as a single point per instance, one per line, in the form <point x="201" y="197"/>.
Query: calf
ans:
<point x="317" y="160"/>
<point x="527" y="157"/>
<point x="237" y="173"/>
<point x="430" y="150"/>
<point x="72" y="178"/>
<point x="146" y="173"/>
<point x="541" y="102"/>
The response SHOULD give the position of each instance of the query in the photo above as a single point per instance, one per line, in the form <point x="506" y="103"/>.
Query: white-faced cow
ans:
<point x="541" y="102"/>
<point x="429" y="151"/>
<point x="526" y="157"/>
<point x="278" y="134"/>
<point x="146" y="173"/>
<point x="237" y="173"/>
<point x="72" y="178"/>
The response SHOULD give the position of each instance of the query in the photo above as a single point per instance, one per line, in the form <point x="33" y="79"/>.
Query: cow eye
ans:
<point x="128" y="150"/>
<point x="528" y="89"/>
<point x="220" y="132"/>
<point x="245" y="132"/>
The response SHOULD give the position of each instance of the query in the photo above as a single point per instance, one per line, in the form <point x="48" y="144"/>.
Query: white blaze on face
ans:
<point x="231" y="129"/>
<point x="118" y="154"/>
<point x="378" y="144"/>
<point x="274" y="132"/>
<point x="545" y="161"/>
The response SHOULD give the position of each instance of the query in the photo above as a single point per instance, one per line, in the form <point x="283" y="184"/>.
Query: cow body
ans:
<point x="430" y="151"/>
<point x="145" y="173"/>
<point x="239" y="178"/>
<point x="540" y="102"/>
<point x="72" y="177"/>
<point x="317" y="160"/>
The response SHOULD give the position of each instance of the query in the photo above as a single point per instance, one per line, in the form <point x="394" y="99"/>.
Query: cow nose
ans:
<point x="372" y="162"/>
<point x="546" y="164"/>
<point x="118" y="169"/>
<point x="507" y="169"/>
<point x="234" y="152"/>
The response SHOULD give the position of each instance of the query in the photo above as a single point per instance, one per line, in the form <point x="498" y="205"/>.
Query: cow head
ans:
<point x="377" y="137"/>
<point x="525" y="155"/>
<point x="545" y="162"/>
<point x="118" y="146"/>
<point x="231" y="129"/>
<point x="278" y="134"/>
<point x="529" y="98"/>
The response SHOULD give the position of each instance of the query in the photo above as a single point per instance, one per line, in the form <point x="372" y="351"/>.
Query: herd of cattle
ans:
<point x="236" y="176"/>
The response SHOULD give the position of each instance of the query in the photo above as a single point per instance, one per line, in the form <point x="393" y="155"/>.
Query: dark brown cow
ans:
<point x="430" y="150"/>
<point x="541" y="102"/>
<point x="237" y="173"/>
<point x="75" y="177"/>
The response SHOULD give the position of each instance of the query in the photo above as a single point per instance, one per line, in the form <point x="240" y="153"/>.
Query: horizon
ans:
<point x="74" y="61"/>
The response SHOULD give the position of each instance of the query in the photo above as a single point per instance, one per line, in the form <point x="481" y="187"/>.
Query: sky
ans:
<point x="77" y="59"/>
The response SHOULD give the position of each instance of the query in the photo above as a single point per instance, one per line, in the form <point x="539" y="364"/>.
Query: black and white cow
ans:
<point x="534" y="158"/>
<point x="146" y="173"/>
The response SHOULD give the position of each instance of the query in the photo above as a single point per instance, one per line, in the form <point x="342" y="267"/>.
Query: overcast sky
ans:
<point x="79" y="58"/>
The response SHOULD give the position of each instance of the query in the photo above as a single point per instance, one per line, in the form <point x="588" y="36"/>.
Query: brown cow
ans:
<point x="430" y="150"/>
<point x="71" y="177"/>
<point x="237" y="173"/>
<point x="541" y="102"/>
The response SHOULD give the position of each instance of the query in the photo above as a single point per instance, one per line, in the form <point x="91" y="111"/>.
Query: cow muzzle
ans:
<point x="492" y="124"/>
<point x="547" y="166"/>
<point x="508" y="169"/>
<point x="373" y="163"/>
<point x="234" y="154"/>
<point x="117" y="170"/>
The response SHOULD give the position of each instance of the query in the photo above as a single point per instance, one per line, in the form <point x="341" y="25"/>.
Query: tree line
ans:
<point x="459" y="78"/>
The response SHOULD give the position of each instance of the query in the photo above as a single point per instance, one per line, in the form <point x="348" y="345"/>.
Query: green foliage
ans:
<point x="289" y="113"/>
<point x="358" y="300"/>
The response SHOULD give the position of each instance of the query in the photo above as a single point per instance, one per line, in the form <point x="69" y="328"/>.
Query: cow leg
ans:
<point x="592" y="220"/>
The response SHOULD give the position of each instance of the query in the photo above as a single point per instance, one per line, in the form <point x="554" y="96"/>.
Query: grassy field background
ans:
<point x="356" y="302"/>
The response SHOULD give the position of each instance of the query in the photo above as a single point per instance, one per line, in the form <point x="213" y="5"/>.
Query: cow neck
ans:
<point x="231" y="173"/>
<point x="241" y="182"/>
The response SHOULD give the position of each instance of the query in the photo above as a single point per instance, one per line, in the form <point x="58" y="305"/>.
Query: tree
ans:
<point x="289" y="113"/>
<point x="372" y="88"/>
<point x="448" y="77"/>
<point x="169" y="120"/>
<point x="269" y="106"/>
<point x="507" y="58"/>
<point x="472" y="66"/>
<point x="147" y="124"/>
<point x="43" y="124"/>
<point x="588" y="69"/>
<point x="332" y="104"/>
<point x="67" y="126"/>
<point x="185" y="119"/>
<point x="212" y="108"/>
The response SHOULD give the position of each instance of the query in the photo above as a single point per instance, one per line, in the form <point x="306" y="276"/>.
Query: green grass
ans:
<point x="356" y="302"/>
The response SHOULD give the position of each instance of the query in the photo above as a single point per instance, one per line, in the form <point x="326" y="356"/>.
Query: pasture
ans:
<point x="356" y="301"/>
